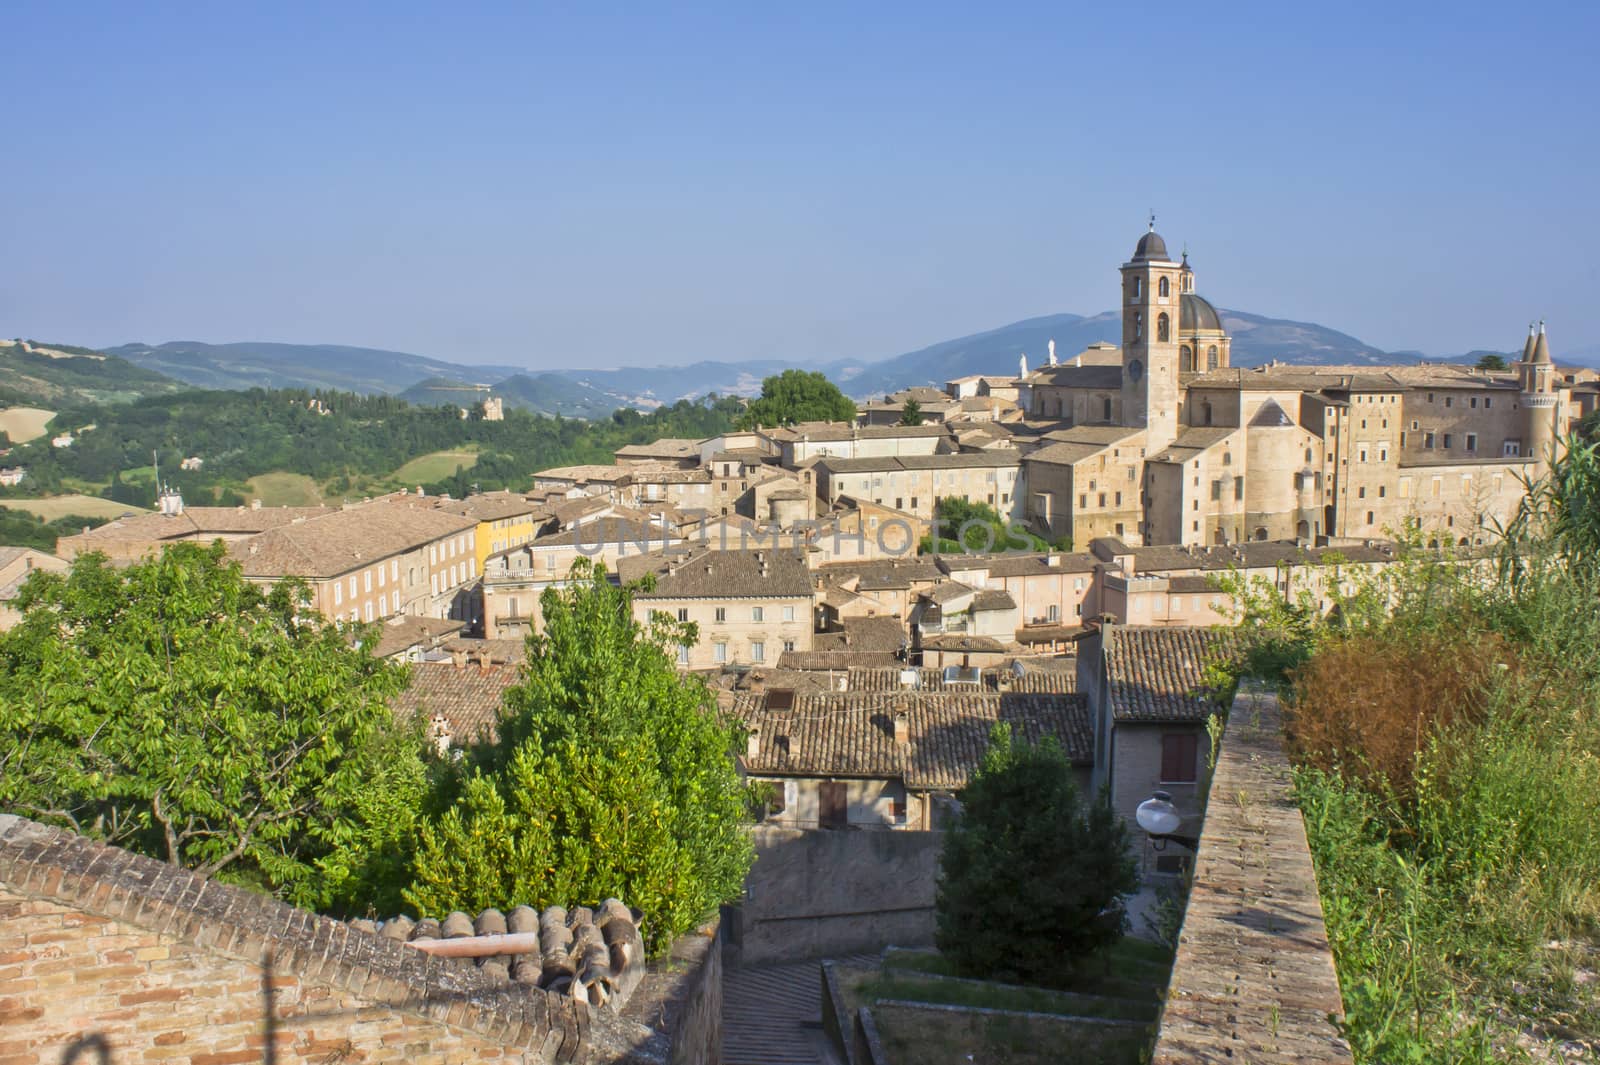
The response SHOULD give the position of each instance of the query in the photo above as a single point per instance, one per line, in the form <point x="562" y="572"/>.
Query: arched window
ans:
<point x="1186" y="359"/>
<point x="1138" y="288"/>
<point x="1211" y="357"/>
<point x="1303" y="530"/>
<point x="1108" y="408"/>
<point x="1164" y="289"/>
<point x="1207" y="409"/>
<point x="1138" y="326"/>
<point x="1261" y="532"/>
<point x="1163" y="325"/>
<point x="1227" y="458"/>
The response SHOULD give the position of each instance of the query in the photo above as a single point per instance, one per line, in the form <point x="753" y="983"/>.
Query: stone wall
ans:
<point x="167" y="966"/>
<point x="814" y="894"/>
<point x="1254" y="978"/>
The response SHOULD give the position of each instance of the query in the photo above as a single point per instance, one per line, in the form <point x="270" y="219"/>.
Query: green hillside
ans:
<point x="59" y="375"/>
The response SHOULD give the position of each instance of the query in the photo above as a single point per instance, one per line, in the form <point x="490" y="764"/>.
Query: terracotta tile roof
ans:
<point x="876" y="635"/>
<point x="1075" y="445"/>
<point x="830" y="432"/>
<point x="467" y="697"/>
<point x="953" y="461"/>
<point x="490" y="506"/>
<point x="852" y="733"/>
<point x="1036" y="678"/>
<point x="587" y="472"/>
<point x="834" y="661"/>
<point x="765" y="573"/>
<point x="197" y="522"/>
<point x="1155" y="674"/>
<point x="344" y="540"/>
<point x="993" y="599"/>
<point x="407" y="631"/>
<point x="951" y="641"/>
<point x="593" y="955"/>
<point x="1018" y="565"/>
<point x="667" y="447"/>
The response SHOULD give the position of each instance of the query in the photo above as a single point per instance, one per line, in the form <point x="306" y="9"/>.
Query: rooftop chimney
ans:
<point x="458" y="658"/>
<point x="255" y="504"/>
<point x="902" y="730"/>
<point x="752" y="745"/>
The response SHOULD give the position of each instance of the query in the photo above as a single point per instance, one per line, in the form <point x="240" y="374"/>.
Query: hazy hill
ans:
<point x="57" y="375"/>
<point x="331" y="366"/>
<point x="547" y="393"/>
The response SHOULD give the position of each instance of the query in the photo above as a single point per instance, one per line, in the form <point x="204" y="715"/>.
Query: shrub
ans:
<point x="1032" y="878"/>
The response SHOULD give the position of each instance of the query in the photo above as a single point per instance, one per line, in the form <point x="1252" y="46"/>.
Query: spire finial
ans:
<point x="1152" y="219"/>
<point x="1541" y="325"/>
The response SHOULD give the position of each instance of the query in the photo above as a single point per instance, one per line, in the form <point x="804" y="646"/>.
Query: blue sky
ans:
<point x="573" y="187"/>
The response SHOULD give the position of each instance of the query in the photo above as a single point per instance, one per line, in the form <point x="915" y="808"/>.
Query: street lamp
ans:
<point x="1157" y="816"/>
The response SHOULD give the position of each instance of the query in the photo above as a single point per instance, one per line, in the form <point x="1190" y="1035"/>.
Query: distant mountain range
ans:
<point x="589" y="393"/>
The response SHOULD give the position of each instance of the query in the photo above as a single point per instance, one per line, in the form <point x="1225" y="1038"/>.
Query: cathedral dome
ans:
<point x="1150" y="247"/>
<point x="1195" y="314"/>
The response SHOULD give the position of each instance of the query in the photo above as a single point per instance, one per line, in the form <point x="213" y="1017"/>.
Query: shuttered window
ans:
<point x="1179" y="758"/>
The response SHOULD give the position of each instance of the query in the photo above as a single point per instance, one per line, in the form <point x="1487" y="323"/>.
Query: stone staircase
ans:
<point x="772" y="1015"/>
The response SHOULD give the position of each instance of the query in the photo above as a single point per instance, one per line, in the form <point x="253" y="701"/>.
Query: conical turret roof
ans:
<point x="1541" y="347"/>
<point x="1527" y="349"/>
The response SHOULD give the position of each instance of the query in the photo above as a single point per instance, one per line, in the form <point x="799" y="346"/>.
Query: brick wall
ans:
<point x="1254" y="978"/>
<point x="167" y="967"/>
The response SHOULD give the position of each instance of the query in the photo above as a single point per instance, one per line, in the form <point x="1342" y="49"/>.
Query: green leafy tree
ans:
<point x="1032" y="877"/>
<point x="797" y="396"/>
<point x="612" y="775"/>
<point x="1491" y="361"/>
<point x="962" y="525"/>
<point x="911" y="413"/>
<point x="175" y="708"/>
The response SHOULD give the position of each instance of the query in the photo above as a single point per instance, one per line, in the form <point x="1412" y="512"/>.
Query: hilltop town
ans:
<point x="1061" y="553"/>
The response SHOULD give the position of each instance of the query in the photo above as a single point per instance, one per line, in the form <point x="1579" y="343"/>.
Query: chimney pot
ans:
<point x="458" y="658"/>
<point x="902" y="730"/>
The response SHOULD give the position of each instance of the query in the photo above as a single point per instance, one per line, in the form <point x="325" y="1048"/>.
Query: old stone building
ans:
<point x="1171" y="444"/>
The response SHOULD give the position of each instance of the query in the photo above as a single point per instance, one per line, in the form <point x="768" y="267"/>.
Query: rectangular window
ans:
<point x="1361" y="493"/>
<point x="757" y="614"/>
<point x="1055" y="612"/>
<point x="1083" y="501"/>
<point x="722" y="613"/>
<point x="1449" y="401"/>
<point x="1488" y="401"/>
<point x="1238" y="488"/>
<point x="338" y="592"/>
<point x="1180" y="756"/>
<point x="833" y="811"/>
<point x="683" y="654"/>
<point x="788" y="645"/>
<point x="1447" y="441"/>
<point x="719" y="652"/>
<point x="367" y="580"/>
<point x="758" y="651"/>
<point x="1102" y="500"/>
<point x="683" y="613"/>
<point x="380" y="576"/>
<point x="1472" y="441"/>
<point x="1427" y="441"/>
<point x="788" y="613"/>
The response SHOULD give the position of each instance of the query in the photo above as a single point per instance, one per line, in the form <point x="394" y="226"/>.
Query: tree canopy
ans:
<point x="911" y="413"/>
<point x="797" y="396"/>
<point x="1492" y="361"/>
<point x="1032" y="877"/>
<point x="962" y="525"/>
<point x="612" y="776"/>
<point x="174" y="708"/>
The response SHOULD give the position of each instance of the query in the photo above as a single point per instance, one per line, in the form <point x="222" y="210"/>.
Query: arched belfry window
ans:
<point x="1163" y="323"/>
<point x="1186" y="359"/>
<point x="1211" y="357"/>
<point x="1164" y="289"/>
<point x="1138" y="287"/>
<point x="1138" y="326"/>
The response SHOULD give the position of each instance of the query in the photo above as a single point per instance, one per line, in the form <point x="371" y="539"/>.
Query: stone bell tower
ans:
<point x="1151" y="287"/>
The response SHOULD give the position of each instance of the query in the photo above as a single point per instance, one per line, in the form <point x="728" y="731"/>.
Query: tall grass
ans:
<point x="1447" y="752"/>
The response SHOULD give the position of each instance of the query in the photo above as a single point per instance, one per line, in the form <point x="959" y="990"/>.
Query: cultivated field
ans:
<point x="425" y="469"/>
<point x="281" y="489"/>
<point x="24" y="423"/>
<point x="60" y="506"/>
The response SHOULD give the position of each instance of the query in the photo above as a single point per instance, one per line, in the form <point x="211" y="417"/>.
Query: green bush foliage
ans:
<point x="1032" y="877"/>
<point x="174" y="708"/>
<point x="612" y="775"/>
